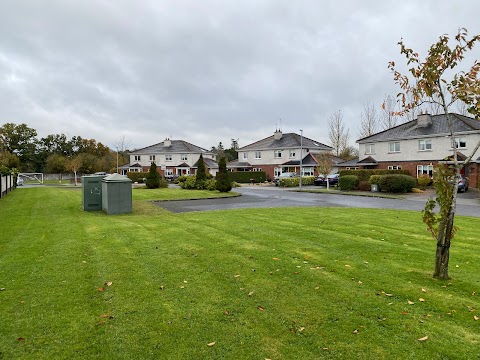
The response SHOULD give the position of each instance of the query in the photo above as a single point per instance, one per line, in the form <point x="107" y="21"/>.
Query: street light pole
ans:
<point x="301" y="156"/>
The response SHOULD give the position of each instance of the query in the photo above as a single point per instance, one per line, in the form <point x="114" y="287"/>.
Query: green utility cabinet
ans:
<point x="116" y="194"/>
<point x="92" y="192"/>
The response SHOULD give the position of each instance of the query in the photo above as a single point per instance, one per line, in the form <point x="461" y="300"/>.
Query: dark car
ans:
<point x="284" y="175"/>
<point x="321" y="181"/>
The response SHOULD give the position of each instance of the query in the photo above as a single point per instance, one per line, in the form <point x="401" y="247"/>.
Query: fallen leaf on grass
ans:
<point x="389" y="295"/>
<point x="250" y="293"/>
<point x="424" y="290"/>
<point x="108" y="283"/>
<point x="238" y="275"/>
<point x="211" y="344"/>
<point x="355" y="331"/>
<point x="275" y="259"/>
<point x="227" y="312"/>
<point x="20" y="339"/>
<point x="410" y="302"/>
<point x="347" y="266"/>
<point x="421" y="299"/>
<point x="423" y="338"/>
<point x="301" y="328"/>
<point x="101" y="289"/>
<point x="475" y="317"/>
<point x="106" y="316"/>
<point x="404" y="313"/>
<point x="261" y="308"/>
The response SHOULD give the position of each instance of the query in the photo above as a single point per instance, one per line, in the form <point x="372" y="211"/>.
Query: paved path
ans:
<point x="270" y="197"/>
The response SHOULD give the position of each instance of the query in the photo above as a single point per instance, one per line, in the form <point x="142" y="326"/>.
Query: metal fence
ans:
<point x="6" y="184"/>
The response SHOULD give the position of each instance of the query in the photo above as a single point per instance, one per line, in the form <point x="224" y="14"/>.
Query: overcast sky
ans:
<point x="207" y="71"/>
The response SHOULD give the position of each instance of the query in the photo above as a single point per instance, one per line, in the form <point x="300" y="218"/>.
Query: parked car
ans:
<point x="462" y="183"/>
<point x="284" y="175"/>
<point x="321" y="181"/>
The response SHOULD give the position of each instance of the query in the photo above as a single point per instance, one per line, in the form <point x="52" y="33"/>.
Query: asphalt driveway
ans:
<point x="271" y="197"/>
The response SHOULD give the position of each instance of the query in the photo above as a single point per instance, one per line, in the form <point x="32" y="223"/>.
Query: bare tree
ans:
<point x="121" y="146"/>
<point x="462" y="108"/>
<point x="325" y="165"/>
<point x="368" y="120"/>
<point x="337" y="133"/>
<point x="389" y="117"/>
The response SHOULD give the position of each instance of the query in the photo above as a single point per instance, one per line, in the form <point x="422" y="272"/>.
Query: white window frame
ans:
<point x="152" y="157"/>
<point x="277" y="154"/>
<point x="425" y="145"/>
<point x="369" y="149"/>
<point x="168" y="172"/>
<point x="393" y="145"/>
<point x="351" y="168"/>
<point x="291" y="154"/>
<point x="168" y="157"/>
<point x="394" y="167"/>
<point x="424" y="170"/>
<point x="184" y="157"/>
<point x="308" y="171"/>
<point x="258" y="154"/>
<point x="257" y="169"/>
<point x="137" y="157"/>
<point x="245" y="155"/>
<point x="459" y="141"/>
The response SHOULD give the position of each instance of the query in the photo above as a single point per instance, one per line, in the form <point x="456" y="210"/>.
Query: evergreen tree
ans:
<point x="153" y="177"/>
<point x="201" y="173"/>
<point x="223" y="180"/>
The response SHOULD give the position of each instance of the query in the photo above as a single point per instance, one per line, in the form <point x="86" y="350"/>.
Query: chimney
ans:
<point x="424" y="120"/>
<point x="167" y="142"/>
<point x="277" y="135"/>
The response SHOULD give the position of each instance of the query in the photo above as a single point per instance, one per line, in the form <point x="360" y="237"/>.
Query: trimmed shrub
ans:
<point x="201" y="175"/>
<point x="188" y="183"/>
<point x="137" y="176"/>
<point x="364" y="186"/>
<point x="295" y="182"/>
<point x="375" y="179"/>
<point x="348" y="182"/>
<point x="223" y="181"/>
<point x="423" y="181"/>
<point x="163" y="183"/>
<point x="153" y="177"/>
<point x="397" y="183"/>
<point x="247" y="176"/>
<point x="364" y="174"/>
<point x="211" y="184"/>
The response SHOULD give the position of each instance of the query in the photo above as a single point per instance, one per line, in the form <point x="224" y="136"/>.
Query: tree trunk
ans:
<point x="443" y="248"/>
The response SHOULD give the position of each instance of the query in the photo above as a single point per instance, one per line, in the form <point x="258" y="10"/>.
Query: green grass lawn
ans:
<point x="298" y="283"/>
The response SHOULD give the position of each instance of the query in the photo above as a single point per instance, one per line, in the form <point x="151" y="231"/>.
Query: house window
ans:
<point x="461" y="143"/>
<point x="351" y="168"/>
<point x="184" y="157"/>
<point x="425" y="170"/>
<point x="168" y="172"/>
<point x="257" y="169"/>
<point x="168" y="157"/>
<point x="258" y="154"/>
<point x="394" y="147"/>
<point x="291" y="153"/>
<point x="307" y="171"/>
<point x="152" y="157"/>
<point x="137" y="157"/>
<point x="424" y="145"/>
<point x="394" y="167"/>
<point x="369" y="148"/>
<point x="277" y="171"/>
<point x="277" y="154"/>
<point x="245" y="155"/>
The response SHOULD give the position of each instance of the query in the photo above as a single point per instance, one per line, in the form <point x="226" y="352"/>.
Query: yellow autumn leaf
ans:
<point x="421" y="299"/>
<point x="423" y="338"/>
<point x="410" y="302"/>
<point x="211" y="344"/>
<point x="476" y="318"/>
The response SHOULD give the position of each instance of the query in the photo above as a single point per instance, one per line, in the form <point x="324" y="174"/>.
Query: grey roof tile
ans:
<point x="176" y="147"/>
<point x="288" y="140"/>
<point x="439" y="126"/>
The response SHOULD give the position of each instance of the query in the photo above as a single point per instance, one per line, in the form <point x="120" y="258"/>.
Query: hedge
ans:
<point x="137" y="176"/>
<point x="247" y="176"/>
<point x="295" y="182"/>
<point x="364" y="174"/>
<point x="348" y="182"/>
<point x="397" y="183"/>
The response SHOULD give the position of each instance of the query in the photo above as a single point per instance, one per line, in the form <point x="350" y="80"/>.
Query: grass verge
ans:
<point x="287" y="283"/>
<point x="353" y="193"/>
